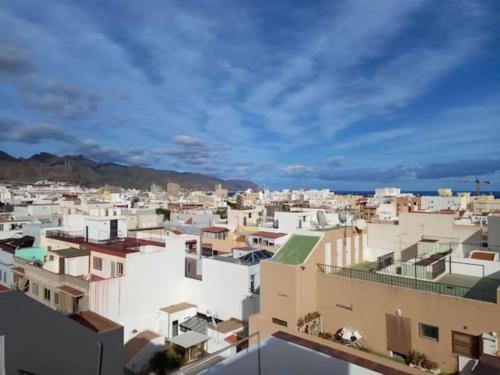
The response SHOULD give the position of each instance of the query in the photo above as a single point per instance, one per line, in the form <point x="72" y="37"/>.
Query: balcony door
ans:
<point x="113" y="229"/>
<point x="398" y="331"/>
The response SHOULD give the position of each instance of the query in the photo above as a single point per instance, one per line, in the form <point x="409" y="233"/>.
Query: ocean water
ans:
<point x="415" y="192"/>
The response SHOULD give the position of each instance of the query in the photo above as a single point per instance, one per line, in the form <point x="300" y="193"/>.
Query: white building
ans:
<point x="445" y="202"/>
<point x="387" y="192"/>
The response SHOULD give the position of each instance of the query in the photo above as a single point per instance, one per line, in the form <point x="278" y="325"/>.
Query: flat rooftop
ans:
<point x="94" y="321"/>
<point x="71" y="252"/>
<point x="483" y="288"/>
<point x="296" y="249"/>
<point x="283" y="353"/>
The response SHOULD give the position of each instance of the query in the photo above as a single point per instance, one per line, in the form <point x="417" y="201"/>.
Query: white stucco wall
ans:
<point x="6" y="263"/>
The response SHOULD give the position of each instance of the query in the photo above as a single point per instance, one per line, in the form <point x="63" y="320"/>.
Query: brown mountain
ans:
<point x="78" y="169"/>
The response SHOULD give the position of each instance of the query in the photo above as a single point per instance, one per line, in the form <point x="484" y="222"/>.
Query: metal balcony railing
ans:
<point x="411" y="283"/>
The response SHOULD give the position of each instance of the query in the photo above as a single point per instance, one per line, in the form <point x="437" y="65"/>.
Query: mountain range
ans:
<point x="81" y="170"/>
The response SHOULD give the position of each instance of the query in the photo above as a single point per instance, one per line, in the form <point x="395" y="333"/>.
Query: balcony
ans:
<point x="73" y="237"/>
<point x="483" y="290"/>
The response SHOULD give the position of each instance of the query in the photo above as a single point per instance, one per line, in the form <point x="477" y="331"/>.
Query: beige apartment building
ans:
<point x="321" y="280"/>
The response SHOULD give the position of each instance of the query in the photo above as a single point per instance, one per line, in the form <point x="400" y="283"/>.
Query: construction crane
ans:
<point x="478" y="183"/>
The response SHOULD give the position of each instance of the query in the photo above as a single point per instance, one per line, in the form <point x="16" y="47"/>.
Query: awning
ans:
<point x="73" y="292"/>
<point x="189" y="339"/>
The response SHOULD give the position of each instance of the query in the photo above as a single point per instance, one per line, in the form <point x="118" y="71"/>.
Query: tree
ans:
<point x="159" y="362"/>
<point x="164" y="212"/>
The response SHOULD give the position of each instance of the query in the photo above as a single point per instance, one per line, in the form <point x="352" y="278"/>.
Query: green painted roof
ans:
<point x="32" y="253"/>
<point x="296" y="249"/>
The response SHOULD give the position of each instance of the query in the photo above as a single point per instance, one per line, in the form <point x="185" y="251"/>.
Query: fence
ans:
<point x="411" y="283"/>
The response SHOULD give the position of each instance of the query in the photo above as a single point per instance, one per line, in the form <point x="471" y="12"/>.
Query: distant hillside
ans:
<point x="78" y="169"/>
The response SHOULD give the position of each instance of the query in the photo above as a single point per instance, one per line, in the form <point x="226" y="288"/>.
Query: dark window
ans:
<point x="46" y="294"/>
<point x="175" y="328"/>
<point x="119" y="268"/>
<point x="252" y="283"/>
<point x="280" y="322"/>
<point x="97" y="263"/>
<point x="429" y="332"/>
<point x="464" y="344"/>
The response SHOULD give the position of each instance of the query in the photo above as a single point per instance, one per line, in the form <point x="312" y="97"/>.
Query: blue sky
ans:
<point x="340" y="94"/>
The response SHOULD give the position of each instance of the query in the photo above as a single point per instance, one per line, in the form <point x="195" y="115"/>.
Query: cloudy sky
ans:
<point x="338" y="94"/>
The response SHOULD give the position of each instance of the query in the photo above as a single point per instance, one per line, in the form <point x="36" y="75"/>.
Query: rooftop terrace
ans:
<point x="296" y="249"/>
<point x="454" y="285"/>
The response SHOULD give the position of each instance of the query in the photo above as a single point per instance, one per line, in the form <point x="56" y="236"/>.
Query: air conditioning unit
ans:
<point x="489" y="343"/>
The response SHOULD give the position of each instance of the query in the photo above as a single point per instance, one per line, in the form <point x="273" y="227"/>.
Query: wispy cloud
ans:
<point x="375" y="137"/>
<point x="231" y="87"/>
<point x="294" y="170"/>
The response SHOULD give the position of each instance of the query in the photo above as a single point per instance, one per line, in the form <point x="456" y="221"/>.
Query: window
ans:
<point x="35" y="289"/>
<point x="1" y="226"/>
<point x="252" y="283"/>
<point x="56" y="298"/>
<point x="46" y="294"/>
<point x="429" y="332"/>
<point x="280" y="322"/>
<point x="119" y="268"/>
<point x="51" y="257"/>
<point x="464" y="344"/>
<point x="97" y="263"/>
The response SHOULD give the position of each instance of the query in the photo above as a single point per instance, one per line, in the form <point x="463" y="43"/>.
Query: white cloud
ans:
<point x="296" y="170"/>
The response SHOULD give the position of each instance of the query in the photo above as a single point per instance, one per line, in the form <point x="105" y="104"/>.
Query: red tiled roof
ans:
<point x="94" y="321"/>
<point x="483" y="255"/>
<point x="73" y="292"/>
<point x="233" y="339"/>
<point x="122" y="247"/>
<point x="3" y="288"/>
<point x="270" y="235"/>
<point x="189" y="221"/>
<point x="215" y="230"/>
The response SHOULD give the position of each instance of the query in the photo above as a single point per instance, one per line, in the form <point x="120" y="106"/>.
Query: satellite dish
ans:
<point x="320" y="215"/>
<point x="360" y="224"/>
<point x="342" y="217"/>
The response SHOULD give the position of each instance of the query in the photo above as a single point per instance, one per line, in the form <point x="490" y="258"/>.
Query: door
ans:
<point x="398" y="332"/>
<point x="113" y="269"/>
<point x="87" y="234"/>
<point x="61" y="266"/>
<point x="465" y="345"/>
<point x="175" y="328"/>
<point x="113" y="229"/>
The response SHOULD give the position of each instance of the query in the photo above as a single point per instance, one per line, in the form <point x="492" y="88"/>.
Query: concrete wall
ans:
<point x="225" y="287"/>
<point x="152" y="280"/>
<point x="6" y="263"/>
<point x="369" y="302"/>
<point x="31" y="343"/>
<point x="288" y="291"/>
<point x="474" y="267"/>
<point x="402" y="238"/>
<point x="107" y="261"/>
<point x="166" y="320"/>
<point x="494" y="232"/>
